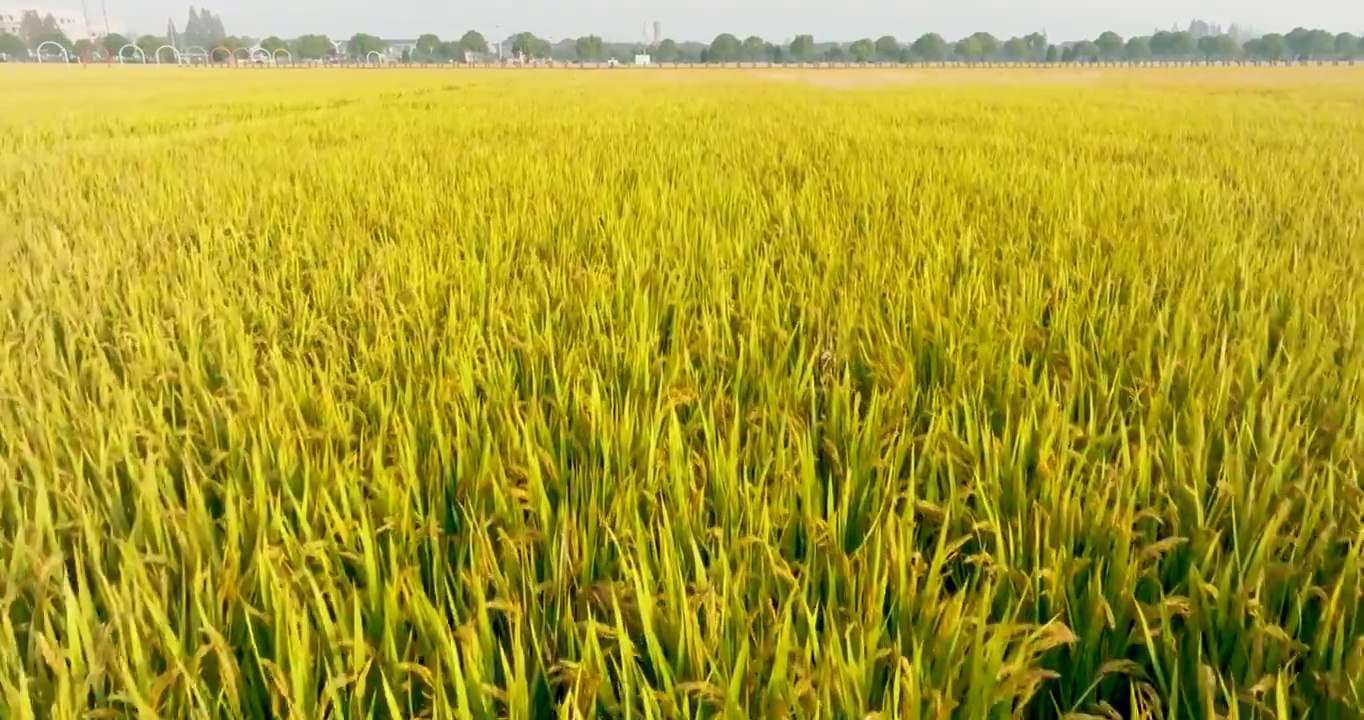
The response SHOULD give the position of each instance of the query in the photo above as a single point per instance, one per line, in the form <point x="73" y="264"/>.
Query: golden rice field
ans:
<point x="681" y="394"/>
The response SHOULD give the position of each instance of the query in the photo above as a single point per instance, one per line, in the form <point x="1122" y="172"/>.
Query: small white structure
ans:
<point x="175" y="54"/>
<point x="137" y="53"/>
<point x="643" y="60"/>
<point x="66" y="57"/>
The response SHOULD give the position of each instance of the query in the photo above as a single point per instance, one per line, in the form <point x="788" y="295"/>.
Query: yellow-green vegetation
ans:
<point x="681" y="394"/>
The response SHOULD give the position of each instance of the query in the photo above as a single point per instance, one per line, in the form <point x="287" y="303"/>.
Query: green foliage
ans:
<point x="148" y="44"/>
<point x="803" y="48"/>
<point x="590" y="48"/>
<point x="969" y="49"/>
<point x="1109" y="46"/>
<point x="472" y="41"/>
<point x="1016" y="49"/>
<point x="887" y="48"/>
<point x="1137" y="49"/>
<point x="725" y="48"/>
<point x="13" y="46"/>
<point x="361" y="45"/>
<point x="931" y="47"/>
<point x="527" y="45"/>
<point x="313" y="47"/>
<point x="753" y="49"/>
<point x="667" y="51"/>
<point x="273" y="43"/>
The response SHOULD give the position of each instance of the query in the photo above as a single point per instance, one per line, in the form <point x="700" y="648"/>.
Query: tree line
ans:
<point x="1200" y="42"/>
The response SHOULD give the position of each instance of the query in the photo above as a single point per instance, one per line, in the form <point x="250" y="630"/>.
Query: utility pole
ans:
<point x="85" y="11"/>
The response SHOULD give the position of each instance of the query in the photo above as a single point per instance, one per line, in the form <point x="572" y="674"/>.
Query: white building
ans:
<point x="71" y="23"/>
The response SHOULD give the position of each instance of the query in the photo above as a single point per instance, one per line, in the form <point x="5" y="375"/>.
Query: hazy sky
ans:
<point x="702" y="19"/>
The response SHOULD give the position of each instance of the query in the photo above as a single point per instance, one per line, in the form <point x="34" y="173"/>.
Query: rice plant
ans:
<point x="681" y="395"/>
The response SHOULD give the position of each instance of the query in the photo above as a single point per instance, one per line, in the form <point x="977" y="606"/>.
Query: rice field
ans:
<point x="681" y="394"/>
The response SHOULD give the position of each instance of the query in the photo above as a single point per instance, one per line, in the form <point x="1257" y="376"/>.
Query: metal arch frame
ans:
<point x="213" y="55"/>
<point x="140" y="52"/>
<point x="175" y="53"/>
<point x="259" y="52"/>
<point x="374" y="53"/>
<point x="38" y="51"/>
<point x="245" y="50"/>
<point x="190" y="53"/>
<point x="275" y="55"/>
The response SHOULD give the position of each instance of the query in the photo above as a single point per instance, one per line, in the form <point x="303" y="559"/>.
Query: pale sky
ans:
<point x="774" y="20"/>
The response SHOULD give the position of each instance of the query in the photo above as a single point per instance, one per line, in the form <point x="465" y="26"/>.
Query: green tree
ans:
<point x="931" y="47"/>
<point x="1320" y="44"/>
<point x="1227" y="49"/>
<point x="12" y="46"/>
<point x="313" y="47"/>
<point x="725" y="48"/>
<point x="1182" y="45"/>
<point x="113" y="42"/>
<point x="474" y="42"/>
<point x="149" y="44"/>
<point x="887" y="48"/>
<point x="1217" y="47"/>
<point x="863" y="51"/>
<point x="1110" y="45"/>
<point x="1137" y="49"/>
<point x="907" y="55"/>
<point x="1307" y="44"/>
<point x="1037" y="45"/>
<point x="1163" y="45"/>
<point x="1052" y="54"/>
<point x="803" y="48"/>
<point x="361" y="45"/>
<point x="1208" y="46"/>
<point x="528" y="45"/>
<point x="1015" y="49"/>
<point x="754" y="49"/>
<point x="589" y="47"/>
<point x="273" y="44"/>
<point x="428" y="45"/>
<point x="667" y="51"/>
<point x="989" y="45"/>
<point x="1086" y="51"/>
<point x="968" y="49"/>
<point x="232" y="43"/>
<point x="1347" y="46"/>
<point x="835" y="53"/>
<point x="1272" y="47"/>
